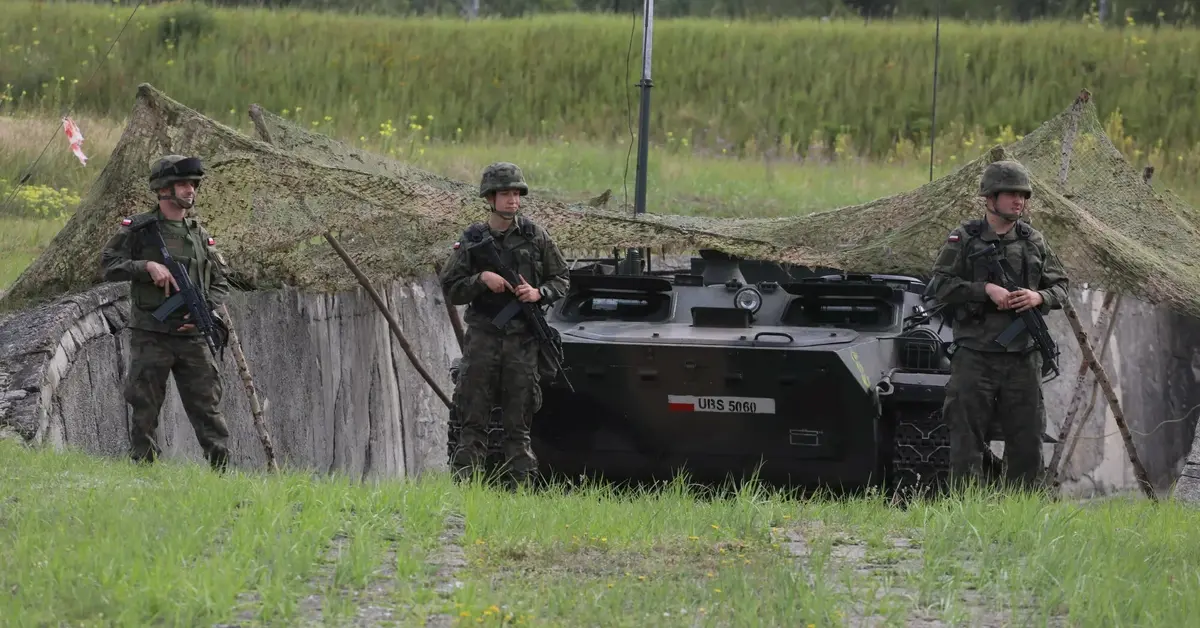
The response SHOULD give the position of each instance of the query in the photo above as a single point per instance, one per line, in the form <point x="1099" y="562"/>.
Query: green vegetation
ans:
<point x="89" y="540"/>
<point x="748" y="88"/>
<point x="21" y="241"/>
<point x="1164" y="12"/>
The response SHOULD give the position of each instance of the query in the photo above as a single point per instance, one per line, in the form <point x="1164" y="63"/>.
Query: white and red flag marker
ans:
<point x="75" y="137"/>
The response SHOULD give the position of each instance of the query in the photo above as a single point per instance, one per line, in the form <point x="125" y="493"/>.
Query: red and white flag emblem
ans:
<point x="75" y="137"/>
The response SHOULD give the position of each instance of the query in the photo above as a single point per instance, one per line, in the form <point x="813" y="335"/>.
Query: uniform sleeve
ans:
<point x="555" y="272"/>
<point x="952" y="288"/>
<point x="461" y="284"/>
<point x="116" y="260"/>
<point x="218" y="288"/>
<point x="1054" y="283"/>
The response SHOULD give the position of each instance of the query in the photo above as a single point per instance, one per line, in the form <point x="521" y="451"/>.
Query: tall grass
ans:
<point x="739" y="87"/>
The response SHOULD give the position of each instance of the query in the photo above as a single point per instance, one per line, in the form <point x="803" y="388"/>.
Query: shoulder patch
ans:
<point x="953" y="237"/>
<point x="457" y="245"/>
<point x="126" y="222"/>
<point x="212" y="241"/>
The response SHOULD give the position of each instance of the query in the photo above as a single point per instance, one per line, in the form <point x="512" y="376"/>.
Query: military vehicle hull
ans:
<point x="710" y="410"/>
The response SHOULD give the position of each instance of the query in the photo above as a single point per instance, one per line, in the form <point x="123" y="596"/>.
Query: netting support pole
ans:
<point x="366" y="284"/>
<point x="1139" y="471"/>
<point x="1104" y="324"/>
<point x="257" y="409"/>
<point x="1085" y="346"/>
<point x="1087" y="412"/>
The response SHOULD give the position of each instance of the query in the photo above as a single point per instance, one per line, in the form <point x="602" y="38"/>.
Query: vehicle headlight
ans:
<point x="748" y="299"/>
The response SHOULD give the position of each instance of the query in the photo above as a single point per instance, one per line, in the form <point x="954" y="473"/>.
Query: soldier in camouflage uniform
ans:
<point x="175" y="345"/>
<point x="988" y="381"/>
<point x="501" y="366"/>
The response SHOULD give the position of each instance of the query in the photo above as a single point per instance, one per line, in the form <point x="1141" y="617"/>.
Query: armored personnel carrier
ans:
<point x="802" y="377"/>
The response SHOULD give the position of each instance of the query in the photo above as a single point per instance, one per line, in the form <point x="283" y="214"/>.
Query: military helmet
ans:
<point x="502" y="175"/>
<point x="167" y="170"/>
<point x="1004" y="176"/>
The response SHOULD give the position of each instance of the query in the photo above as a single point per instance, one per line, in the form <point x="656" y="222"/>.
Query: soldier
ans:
<point x="987" y="380"/>
<point x="175" y="345"/>
<point x="500" y="367"/>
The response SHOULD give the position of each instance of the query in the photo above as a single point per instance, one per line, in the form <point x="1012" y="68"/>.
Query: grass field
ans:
<point x="744" y="87"/>
<point x="94" y="541"/>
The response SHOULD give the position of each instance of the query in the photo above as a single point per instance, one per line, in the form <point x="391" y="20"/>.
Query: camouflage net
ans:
<point x="268" y="203"/>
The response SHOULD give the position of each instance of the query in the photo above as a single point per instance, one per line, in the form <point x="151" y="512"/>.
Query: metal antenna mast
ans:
<point x="634" y="256"/>
<point x="937" y="49"/>
<point x="639" y="195"/>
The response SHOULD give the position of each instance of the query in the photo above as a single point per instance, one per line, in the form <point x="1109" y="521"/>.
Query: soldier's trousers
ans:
<point x="1002" y="387"/>
<point x="497" y="369"/>
<point x="153" y="356"/>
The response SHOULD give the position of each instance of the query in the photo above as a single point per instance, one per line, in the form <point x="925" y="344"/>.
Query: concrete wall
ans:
<point x="342" y="395"/>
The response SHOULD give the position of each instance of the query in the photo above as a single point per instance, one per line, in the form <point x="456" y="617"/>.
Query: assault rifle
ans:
<point x="213" y="329"/>
<point x="548" y="339"/>
<point x="1030" y="320"/>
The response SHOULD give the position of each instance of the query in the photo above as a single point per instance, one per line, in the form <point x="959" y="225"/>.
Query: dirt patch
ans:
<point x="373" y="605"/>
<point x="889" y="580"/>
<point x="448" y="559"/>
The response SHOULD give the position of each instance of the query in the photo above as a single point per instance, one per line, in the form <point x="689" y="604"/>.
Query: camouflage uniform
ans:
<point x="158" y="348"/>
<point x="501" y="366"/>
<point x="988" y="381"/>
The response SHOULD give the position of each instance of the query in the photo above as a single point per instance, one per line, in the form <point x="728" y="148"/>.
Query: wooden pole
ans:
<point x="1089" y="356"/>
<point x="1087" y="412"/>
<point x="256" y="408"/>
<point x="1104" y="326"/>
<point x="366" y="283"/>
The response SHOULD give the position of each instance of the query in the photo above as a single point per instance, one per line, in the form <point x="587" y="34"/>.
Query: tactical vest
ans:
<point x="980" y="272"/>
<point x="490" y="303"/>
<point x="143" y="246"/>
<point x="974" y="229"/>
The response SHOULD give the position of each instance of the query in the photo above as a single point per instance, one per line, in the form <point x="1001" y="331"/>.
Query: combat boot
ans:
<point x="145" y="458"/>
<point x="218" y="459"/>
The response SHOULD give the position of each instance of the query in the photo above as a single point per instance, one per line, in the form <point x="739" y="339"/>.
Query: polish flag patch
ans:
<point x="212" y="242"/>
<point x="126" y="222"/>
<point x="457" y="245"/>
<point x="953" y="238"/>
